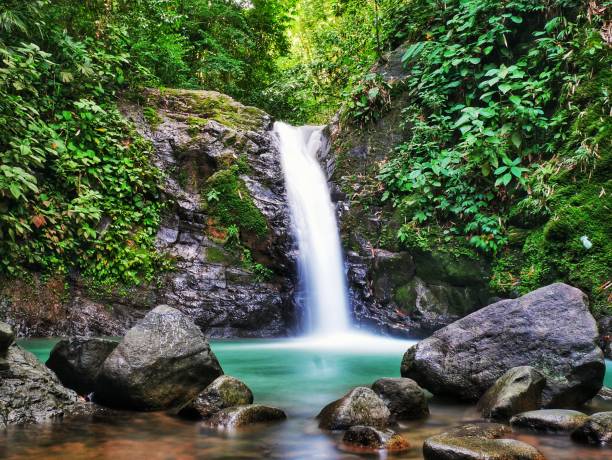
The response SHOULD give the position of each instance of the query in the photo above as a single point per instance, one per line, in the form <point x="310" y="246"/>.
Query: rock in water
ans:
<point x="163" y="362"/>
<point x="235" y="417"/>
<point x="596" y="430"/>
<point x="360" y="406"/>
<point x="550" y="329"/>
<point x="478" y="442"/>
<point x="404" y="397"/>
<point x="518" y="390"/>
<point x="30" y="392"/>
<point x="371" y="438"/>
<point x="551" y="420"/>
<point x="77" y="361"/>
<point x="224" y="392"/>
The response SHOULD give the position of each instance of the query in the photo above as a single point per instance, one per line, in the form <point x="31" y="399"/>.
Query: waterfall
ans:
<point x="320" y="261"/>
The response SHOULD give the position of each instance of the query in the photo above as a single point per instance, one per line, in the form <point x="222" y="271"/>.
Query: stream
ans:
<point x="299" y="376"/>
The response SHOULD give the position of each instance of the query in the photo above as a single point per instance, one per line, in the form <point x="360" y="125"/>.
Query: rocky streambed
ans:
<point x="281" y="400"/>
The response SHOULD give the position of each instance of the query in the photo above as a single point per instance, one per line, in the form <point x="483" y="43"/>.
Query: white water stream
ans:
<point x="313" y="217"/>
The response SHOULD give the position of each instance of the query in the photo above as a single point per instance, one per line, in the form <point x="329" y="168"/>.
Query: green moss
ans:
<point x="233" y="205"/>
<point x="405" y="297"/>
<point x="210" y="105"/>
<point x="554" y="252"/>
<point x="153" y="118"/>
<point x="217" y="255"/>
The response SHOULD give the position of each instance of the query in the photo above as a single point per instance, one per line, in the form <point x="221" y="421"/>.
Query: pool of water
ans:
<point x="299" y="377"/>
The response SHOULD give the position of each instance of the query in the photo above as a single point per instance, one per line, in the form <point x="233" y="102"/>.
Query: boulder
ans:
<point x="597" y="429"/>
<point x="518" y="390"/>
<point x="77" y="360"/>
<point x="224" y="392"/>
<point x="551" y="420"/>
<point x="30" y="392"/>
<point x="7" y="336"/>
<point x="360" y="406"/>
<point x="371" y="438"/>
<point x="404" y="397"/>
<point x="478" y="442"/>
<point x="163" y="362"/>
<point x="238" y="416"/>
<point x="550" y="329"/>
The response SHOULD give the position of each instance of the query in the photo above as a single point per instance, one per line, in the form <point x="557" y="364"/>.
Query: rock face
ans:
<point x="31" y="393"/>
<point x="162" y="362"/>
<point x="518" y="390"/>
<point x="239" y="416"/>
<point x="371" y="438"/>
<point x="478" y="442"/>
<point x="553" y="420"/>
<point x="404" y="397"/>
<point x="224" y="392"/>
<point x="77" y="360"/>
<point x="360" y="406"/>
<point x="408" y="290"/>
<point x="596" y="430"/>
<point x="550" y="329"/>
<point x="204" y="143"/>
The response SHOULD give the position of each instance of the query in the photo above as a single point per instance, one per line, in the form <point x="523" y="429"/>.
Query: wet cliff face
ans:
<point x="225" y="230"/>
<point x="408" y="289"/>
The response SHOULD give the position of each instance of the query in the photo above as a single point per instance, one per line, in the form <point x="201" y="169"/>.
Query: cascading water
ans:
<point x="314" y="220"/>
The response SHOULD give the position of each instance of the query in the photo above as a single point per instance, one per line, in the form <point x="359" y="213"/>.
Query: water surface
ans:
<point x="300" y="378"/>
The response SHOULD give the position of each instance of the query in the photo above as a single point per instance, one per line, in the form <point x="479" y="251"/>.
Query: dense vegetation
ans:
<point x="77" y="187"/>
<point x="508" y="116"/>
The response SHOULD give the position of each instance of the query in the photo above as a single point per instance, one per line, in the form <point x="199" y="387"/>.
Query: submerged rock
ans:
<point x="224" y="392"/>
<point x="404" y="397"/>
<point x="77" y="361"/>
<point x="30" y="392"/>
<point x="163" y="362"/>
<point x="518" y="390"/>
<point x="360" y="406"/>
<point x="478" y="442"/>
<point x="554" y="420"/>
<point x="238" y="416"/>
<point x="371" y="438"/>
<point x="550" y="328"/>
<point x="597" y="429"/>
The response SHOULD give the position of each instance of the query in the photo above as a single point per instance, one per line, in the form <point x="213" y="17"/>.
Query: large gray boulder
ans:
<point x="224" y="392"/>
<point x="478" y="442"/>
<point x="597" y="429"/>
<point x="30" y="392"/>
<point x="518" y="390"/>
<point x="360" y="406"/>
<point x="163" y="362"/>
<point x="550" y="329"/>
<point x="77" y="360"/>
<point x="404" y="397"/>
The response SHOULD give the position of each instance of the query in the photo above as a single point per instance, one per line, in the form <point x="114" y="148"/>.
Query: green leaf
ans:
<point x="515" y="100"/>
<point x="505" y="87"/>
<point x="516" y="140"/>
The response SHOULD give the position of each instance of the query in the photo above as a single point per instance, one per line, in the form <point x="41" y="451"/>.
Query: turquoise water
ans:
<point x="291" y="375"/>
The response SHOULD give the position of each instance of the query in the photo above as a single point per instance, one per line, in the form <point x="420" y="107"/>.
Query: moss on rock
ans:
<point x="227" y="200"/>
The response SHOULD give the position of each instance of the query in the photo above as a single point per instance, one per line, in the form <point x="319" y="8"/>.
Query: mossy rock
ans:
<point x="203" y="106"/>
<point x="233" y="204"/>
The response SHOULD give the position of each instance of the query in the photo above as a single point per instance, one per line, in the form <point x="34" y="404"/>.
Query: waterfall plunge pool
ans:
<point x="299" y="376"/>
